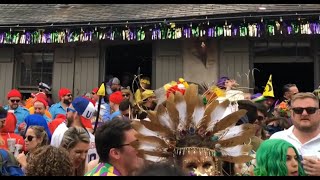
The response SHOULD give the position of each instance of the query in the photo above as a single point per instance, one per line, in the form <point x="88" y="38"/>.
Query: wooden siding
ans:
<point x="6" y="73"/>
<point x="234" y="60"/>
<point x="168" y="62"/>
<point x="63" y="70"/>
<point x="86" y="70"/>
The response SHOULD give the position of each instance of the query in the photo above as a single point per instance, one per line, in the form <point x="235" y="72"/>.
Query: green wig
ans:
<point x="271" y="158"/>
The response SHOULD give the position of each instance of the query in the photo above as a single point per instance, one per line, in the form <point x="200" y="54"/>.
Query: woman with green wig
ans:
<point x="277" y="157"/>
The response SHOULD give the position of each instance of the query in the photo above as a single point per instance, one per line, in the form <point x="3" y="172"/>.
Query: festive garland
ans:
<point x="158" y="32"/>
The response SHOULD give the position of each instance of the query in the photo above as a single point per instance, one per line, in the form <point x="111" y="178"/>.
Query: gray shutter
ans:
<point x="234" y="61"/>
<point x="6" y="72"/>
<point x="86" y="70"/>
<point x="63" y="69"/>
<point x="168" y="63"/>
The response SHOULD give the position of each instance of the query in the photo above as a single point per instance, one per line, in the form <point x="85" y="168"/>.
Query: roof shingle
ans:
<point x="54" y="13"/>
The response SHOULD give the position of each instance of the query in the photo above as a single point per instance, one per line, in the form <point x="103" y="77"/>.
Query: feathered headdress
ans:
<point x="182" y="116"/>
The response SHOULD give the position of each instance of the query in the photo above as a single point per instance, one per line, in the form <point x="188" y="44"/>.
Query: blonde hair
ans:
<point x="71" y="138"/>
<point x="305" y="95"/>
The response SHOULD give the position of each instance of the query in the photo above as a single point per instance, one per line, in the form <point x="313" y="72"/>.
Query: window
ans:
<point x="34" y="67"/>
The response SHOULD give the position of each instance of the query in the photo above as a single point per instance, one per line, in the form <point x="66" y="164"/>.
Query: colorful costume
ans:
<point x="186" y="131"/>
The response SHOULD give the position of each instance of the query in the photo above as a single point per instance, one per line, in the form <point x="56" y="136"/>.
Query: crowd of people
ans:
<point x="180" y="129"/>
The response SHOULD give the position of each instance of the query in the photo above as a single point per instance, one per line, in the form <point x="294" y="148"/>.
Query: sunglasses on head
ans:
<point x="70" y="109"/>
<point x="15" y="100"/>
<point x="309" y="110"/>
<point x="29" y="138"/>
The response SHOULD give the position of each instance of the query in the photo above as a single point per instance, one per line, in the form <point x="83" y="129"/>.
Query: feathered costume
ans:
<point x="181" y="117"/>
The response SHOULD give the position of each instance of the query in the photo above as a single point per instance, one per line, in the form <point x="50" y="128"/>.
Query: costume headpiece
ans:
<point x="182" y="116"/>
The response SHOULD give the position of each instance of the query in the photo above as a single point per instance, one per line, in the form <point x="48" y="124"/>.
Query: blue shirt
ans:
<point x="106" y="116"/>
<point x="115" y="114"/>
<point x="56" y="109"/>
<point x="21" y="113"/>
<point x="46" y="118"/>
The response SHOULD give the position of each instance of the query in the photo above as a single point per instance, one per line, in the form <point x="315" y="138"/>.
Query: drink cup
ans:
<point x="11" y="144"/>
<point x="18" y="149"/>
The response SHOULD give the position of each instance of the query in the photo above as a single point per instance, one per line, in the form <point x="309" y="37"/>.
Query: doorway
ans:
<point x="301" y="74"/>
<point x="125" y="61"/>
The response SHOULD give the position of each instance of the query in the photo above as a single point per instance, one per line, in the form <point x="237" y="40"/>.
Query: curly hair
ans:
<point x="71" y="138"/>
<point x="49" y="161"/>
<point x="271" y="158"/>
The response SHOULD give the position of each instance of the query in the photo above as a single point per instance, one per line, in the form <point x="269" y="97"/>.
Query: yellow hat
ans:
<point x="147" y="93"/>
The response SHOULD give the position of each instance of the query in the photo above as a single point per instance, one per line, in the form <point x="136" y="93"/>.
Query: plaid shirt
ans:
<point x="103" y="169"/>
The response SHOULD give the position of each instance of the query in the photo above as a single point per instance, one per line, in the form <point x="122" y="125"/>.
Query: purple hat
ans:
<point x="221" y="82"/>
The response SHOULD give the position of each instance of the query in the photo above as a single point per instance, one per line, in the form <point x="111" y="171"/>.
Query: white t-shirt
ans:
<point x="58" y="135"/>
<point x="310" y="148"/>
<point x="57" y="139"/>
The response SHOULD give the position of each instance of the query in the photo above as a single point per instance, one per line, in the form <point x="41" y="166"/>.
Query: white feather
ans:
<point x="198" y="115"/>
<point x="153" y="158"/>
<point x="146" y="132"/>
<point x="233" y="151"/>
<point x="233" y="132"/>
<point x="217" y="114"/>
<point x="165" y="120"/>
<point x="182" y="109"/>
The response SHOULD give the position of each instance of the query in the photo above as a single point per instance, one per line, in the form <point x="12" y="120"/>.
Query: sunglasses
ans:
<point x="69" y="95"/>
<point x="260" y="118"/>
<point x="29" y="138"/>
<point x="309" y="110"/>
<point x="15" y="100"/>
<point x="70" y="109"/>
<point x="125" y="95"/>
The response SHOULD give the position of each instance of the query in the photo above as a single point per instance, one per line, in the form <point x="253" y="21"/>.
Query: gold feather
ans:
<point x="228" y="120"/>
<point x="152" y="140"/>
<point x="155" y="153"/>
<point x="163" y="131"/>
<point x="237" y="159"/>
<point x="247" y="132"/>
<point x="191" y="98"/>
<point x="207" y="115"/>
<point x="173" y="113"/>
<point x="152" y="115"/>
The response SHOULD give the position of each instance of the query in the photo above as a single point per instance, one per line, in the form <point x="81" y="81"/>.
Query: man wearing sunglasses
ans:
<point x="116" y="141"/>
<point x="79" y="111"/>
<point x="65" y="96"/>
<point x="305" y="132"/>
<point x="14" y="99"/>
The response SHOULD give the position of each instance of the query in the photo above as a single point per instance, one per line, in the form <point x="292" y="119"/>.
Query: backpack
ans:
<point x="9" y="165"/>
